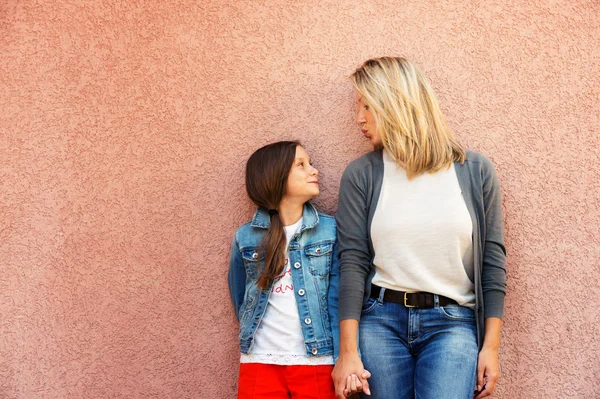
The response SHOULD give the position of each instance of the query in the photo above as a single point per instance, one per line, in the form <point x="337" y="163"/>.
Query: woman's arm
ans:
<point x="349" y="363"/>
<point x="493" y="280"/>
<point x="355" y="263"/>
<point x="493" y="275"/>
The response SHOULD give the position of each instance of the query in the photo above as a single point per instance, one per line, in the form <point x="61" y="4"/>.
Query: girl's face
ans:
<point x="303" y="180"/>
<point x="367" y="123"/>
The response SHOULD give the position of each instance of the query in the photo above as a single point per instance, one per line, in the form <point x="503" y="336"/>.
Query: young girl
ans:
<point x="283" y="280"/>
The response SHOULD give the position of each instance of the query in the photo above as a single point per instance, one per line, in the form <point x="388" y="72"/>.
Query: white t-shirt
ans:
<point x="422" y="234"/>
<point x="278" y="338"/>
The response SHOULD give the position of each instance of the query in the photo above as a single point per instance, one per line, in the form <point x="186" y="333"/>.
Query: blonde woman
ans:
<point x="422" y="257"/>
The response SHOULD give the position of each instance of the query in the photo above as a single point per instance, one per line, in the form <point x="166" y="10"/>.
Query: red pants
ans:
<point x="270" y="381"/>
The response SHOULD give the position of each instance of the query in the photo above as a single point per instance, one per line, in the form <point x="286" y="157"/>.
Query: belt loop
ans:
<point x="436" y="301"/>
<point x="381" y="294"/>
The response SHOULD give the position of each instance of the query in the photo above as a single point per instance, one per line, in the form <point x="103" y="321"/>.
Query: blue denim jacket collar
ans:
<point x="310" y="218"/>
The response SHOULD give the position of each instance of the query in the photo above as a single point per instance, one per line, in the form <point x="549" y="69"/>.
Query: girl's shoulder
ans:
<point x="248" y="234"/>
<point x="326" y="220"/>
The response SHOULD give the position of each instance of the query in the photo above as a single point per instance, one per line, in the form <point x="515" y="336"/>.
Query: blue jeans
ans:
<point x="424" y="353"/>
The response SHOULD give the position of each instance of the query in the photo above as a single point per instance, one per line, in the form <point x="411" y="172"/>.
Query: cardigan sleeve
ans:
<point x="353" y="242"/>
<point x="493" y="276"/>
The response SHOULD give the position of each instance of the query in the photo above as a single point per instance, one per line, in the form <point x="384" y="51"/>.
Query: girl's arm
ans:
<point x="236" y="278"/>
<point x="332" y="302"/>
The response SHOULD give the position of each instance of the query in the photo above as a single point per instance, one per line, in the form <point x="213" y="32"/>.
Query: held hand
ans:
<point x="354" y="384"/>
<point x="487" y="372"/>
<point x="347" y="366"/>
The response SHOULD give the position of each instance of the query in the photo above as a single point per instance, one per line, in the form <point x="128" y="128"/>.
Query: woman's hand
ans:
<point x="349" y="376"/>
<point x="487" y="372"/>
<point x="487" y="365"/>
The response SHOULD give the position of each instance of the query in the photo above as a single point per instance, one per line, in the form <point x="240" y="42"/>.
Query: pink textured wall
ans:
<point x="125" y="126"/>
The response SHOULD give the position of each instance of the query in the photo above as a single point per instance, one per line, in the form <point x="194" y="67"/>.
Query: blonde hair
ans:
<point x="408" y="117"/>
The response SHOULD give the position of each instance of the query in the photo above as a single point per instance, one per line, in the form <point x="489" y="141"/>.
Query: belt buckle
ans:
<point x="405" y="304"/>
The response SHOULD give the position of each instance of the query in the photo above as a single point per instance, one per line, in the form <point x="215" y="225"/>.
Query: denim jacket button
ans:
<point x="307" y="320"/>
<point x="255" y="255"/>
<point x="315" y="351"/>
<point x="297" y="265"/>
<point x="318" y="250"/>
<point x="301" y="292"/>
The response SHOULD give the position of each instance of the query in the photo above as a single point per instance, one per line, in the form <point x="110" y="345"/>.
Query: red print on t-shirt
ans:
<point x="282" y="288"/>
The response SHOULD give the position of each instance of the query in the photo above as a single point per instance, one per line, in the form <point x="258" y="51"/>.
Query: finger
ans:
<point x="349" y="385"/>
<point x="355" y="388"/>
<point x="489" y="387"/>
<point x="480" y="382"/>
<point x="365" y="387"/>
<point x="483" y="394"/>
<point x="366" y="374"/>
<point x="347" y="393"/>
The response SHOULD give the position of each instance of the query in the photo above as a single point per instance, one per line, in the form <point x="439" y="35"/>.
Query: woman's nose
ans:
<point x="360" y="118"/>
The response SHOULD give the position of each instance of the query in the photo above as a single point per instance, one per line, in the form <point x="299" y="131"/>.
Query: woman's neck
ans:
<point x="290" y="212"/>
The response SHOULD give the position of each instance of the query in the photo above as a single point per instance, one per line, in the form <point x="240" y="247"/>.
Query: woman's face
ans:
<point x="367" y="123"/>
<point x="303" y="180"/>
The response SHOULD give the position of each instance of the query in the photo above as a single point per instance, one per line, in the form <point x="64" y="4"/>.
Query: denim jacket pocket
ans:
<point x="319" y="257"/>
<point x="254" y="261"/>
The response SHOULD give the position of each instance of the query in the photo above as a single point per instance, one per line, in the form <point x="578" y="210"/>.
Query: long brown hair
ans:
<point x="267" y="173"/>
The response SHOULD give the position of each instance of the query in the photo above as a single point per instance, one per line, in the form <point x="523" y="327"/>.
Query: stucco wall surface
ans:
<point x="125" y="127"/>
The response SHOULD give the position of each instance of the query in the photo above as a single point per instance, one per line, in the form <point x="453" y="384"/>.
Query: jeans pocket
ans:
<point x="457" y="312"/>
<point x="369" y="306"/>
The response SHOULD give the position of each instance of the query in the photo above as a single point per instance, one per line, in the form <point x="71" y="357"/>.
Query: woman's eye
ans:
<point x="367" y="107"/>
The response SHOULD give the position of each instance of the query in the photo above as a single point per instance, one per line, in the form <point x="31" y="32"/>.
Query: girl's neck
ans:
<point x="290" y="212"/>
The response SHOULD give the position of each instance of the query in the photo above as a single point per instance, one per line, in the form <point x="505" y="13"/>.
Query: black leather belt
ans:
<point x="410" y="299"/>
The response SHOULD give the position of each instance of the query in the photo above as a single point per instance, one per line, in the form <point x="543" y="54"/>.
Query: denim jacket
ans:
<point x="314" y="258"/>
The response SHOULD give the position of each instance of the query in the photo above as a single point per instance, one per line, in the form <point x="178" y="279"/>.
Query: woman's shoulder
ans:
<point x="477" y="160"/>
<point x="366" y="160"/>
<point x="361" y="166"/>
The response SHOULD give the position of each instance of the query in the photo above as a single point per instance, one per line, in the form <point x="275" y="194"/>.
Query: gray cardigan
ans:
<point x="359" y="193"/>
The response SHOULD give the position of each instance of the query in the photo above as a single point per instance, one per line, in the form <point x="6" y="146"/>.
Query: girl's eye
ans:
<point x="301" y="164"/>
